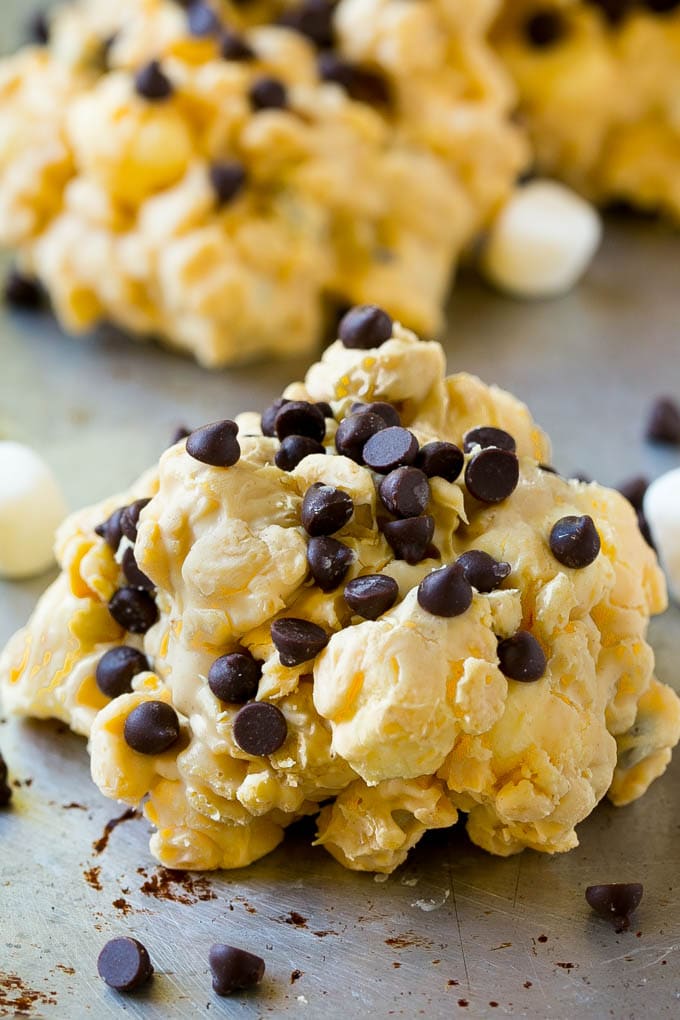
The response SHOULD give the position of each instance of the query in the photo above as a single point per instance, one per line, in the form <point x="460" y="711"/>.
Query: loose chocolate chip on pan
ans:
<point x="152" y="84"/>
<point x="492" y="475"/>
<point x="297" y="640"/>
<point x="227" y="180"/>
<point x="134" y="609"/>
<point x="5" y="788"/>
<point x="615" y="901"/>
<point x="124" y="964"/>
<point x="440" y="460"/>
<point x="294" y="449"/>
<point x="215" y="444"/>
<point x="329" y="561"/>
<point x="482" y="571"/>
<point x="268" y="94"/>
<point x="364" y="327"/>
<point x="486" y="436"/>
<point x="234" y="47"/>
<point x="260" y="728"/>
<point x="235" y="677"/>
<point x="387" y="412"/>
<point x="202" y="20"/>
<point x="313" y="19"/>
<point x="371" y="595"/>
<point x="151" y="728"/>
<point x="410" y="539"/>
<point x="22" y="291"/>
<point x="634" y="490"/>
<point x="300" y="418"/>
<point x="445" y="592"/>
<point x="325" y="510"/>
<point x="390" y="448"/>
<point x="405" y="492"/>
<point x="133" y="575"/>
<point x="129" y="518"/>
<point x="360" y="83"/>
<point x="234" y="969"/>
<point x="663" y="424"/>
<point x="354" y="432"/>
<point x="545" y="28"/>
<point x="521" y="657"/>
<point x="110" y="529"/>
<point x="117" y="668"/>
<point x="268" y="420"/>
<point x="574" y="541"/>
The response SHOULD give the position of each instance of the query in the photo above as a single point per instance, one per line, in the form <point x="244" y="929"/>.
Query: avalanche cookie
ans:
<point x="408" y="619"/>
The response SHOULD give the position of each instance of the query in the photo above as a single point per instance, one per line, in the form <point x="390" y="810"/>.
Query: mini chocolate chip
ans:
<point x="616" y="902"/>
<point x="110" y="529"/>
<point x="405" y="492"/>
<point x="492" y="475"/>
<point x="634" y="490"/>
<point x="227" y="180"/>
<point x="260" y="728"/>
<point x="117" y="668"/>
<point x="482" y="571"/>
<point x="124" y="964"/>
<point x="129" y="518"/>
<point x="329" y="561"/>
<point x="360" y="83"/>
<point x="521" y="657"/>
<point x="325" y="510"/>
<point x="5" y="788"/>
<point x="22" y="292"/>
<point x="663" y="425"/>
<point x="234" y="969"/>
<point x="445" y="592"/>
<point x="410" y="538"/>
<point x="133" y="575"/>
<point x="545" y="28"/>
<point x="215" y="444"/>
<point x="354" y="432"/>
<point x="364" y="327"/>
<point x="180" y="434"/>
<point x="313" y="19"/>
<point x="151" y="728"/>
<point x="387" y="412"/>
<point x="152" y="84"/>
<point x="390" y="448"/>
<point x="574" y="541"/>
<point x="486" y="436"/>
<point x="440" y="460"/>
<point x="235" y="677"/>
<point x="134" y="609"/>
<point x="202" y="20"/>
<point x="268" y="419"/>
<point x="268" y="94"/>
<point x="234" y="47"/>
<point x="38" y="28"/>
<point x="371" y="595"/>
<point x="297" y="641"/>
<point x="325" y="408"/>
<point x="294" y="449"/>
<point x="300" y="418"/>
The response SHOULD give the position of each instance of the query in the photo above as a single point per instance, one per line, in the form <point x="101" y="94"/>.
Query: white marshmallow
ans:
<point x="542" y="241"/>
<point x="31" y="508"/>
<point x="662" y="510"/>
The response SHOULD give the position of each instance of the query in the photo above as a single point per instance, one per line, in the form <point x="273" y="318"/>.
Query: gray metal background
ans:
<point x="454" y="932"/>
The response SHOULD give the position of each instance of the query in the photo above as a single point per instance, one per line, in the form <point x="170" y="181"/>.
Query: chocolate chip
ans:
<point x="390" y="448"/>
<point x="445" y="592"/>
<point x="545" y="28"/>
<point x="117" y="668"/>
<point x="492" y="475"/>
<point x="235" y="677"/>
<point x="133" y="575"/>
<point x="313" y="19"/>
<point x="234" y="969"/>
<point x="22" y="292"/>
<point x="521" y="657"/>
<point x="325" y="408"/>
<point x="227" y="180"/>
<point x="235" y="47"/>
<point x="487" y="436"/>
<point x="387" y="412"/>
<point x="663" y="424"/>
<point x="329" y="561"/>
<point x="360" y="83"/>
<point x="180" y="434"/>
<point x="574" y="541"/>
<point x="613" y="10"/>
<point x="152" y="84"/>
<point x="297" y="641"/>
<point x="260" y="728"/>
<point x="661" y="6"/>
<point x="294" y="449"/>
<point x="268" y="419"/>
<point x="202" y="20"/>
<point x="129" y="518"/>
<point x="440" y="460"/>
<point x="634" y="490"/>
<point x="38" y="28"/>
<point x="124" y="964"/>
<point x="410" y="538"/>
<point x="405" y="492"/>
<point x="325" y="510"/>
<point x="151" y="728"/>
<point x="110" y="529"/>
<point x="354" y="432"/>
<point x="482" y="571"/>
<point x="5" y="788"/>
<point x="364" y="327"/>
<point x="134" y="609"/>
<point x="371" y="595"/>
<point x="268" y="94"/>
<point x="300" y="418"/>
<point x="215" y="444"/>
<point x="616" y="902"/>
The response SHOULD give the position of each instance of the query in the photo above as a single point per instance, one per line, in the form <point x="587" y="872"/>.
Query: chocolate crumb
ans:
<point x="18" y="999"/>
<point x="73" y="806"/>
<point x="565" y="966"/>
<point x="528" y="984"/>
<point x="177" y="886"/>
<point x="101" y="844"/>
<point x="295" y="976"/>
<point x="66" y="970"/>
<point x="297" y="919"/>
<point x="122" y="905"/>
<point x="542" y="938"/>
<point x="91" y="876"/>
<point x="463" y="1002"/>
<point x="452" y="982"/>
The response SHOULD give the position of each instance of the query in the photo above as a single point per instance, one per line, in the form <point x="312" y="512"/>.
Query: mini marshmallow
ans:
<point x="662" y="511"/>
<point x="31" y="508"/>
<point x="542" y="241"/>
